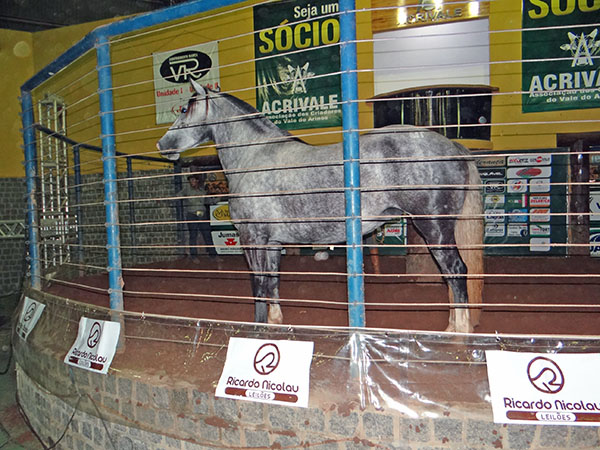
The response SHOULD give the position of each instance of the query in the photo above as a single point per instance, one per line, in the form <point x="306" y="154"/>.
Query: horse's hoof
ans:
<point x="275" y="314"/>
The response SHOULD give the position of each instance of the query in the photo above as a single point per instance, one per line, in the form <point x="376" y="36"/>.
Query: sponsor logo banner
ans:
<point x="530" y="160"/>
<point x="518" y="215"/>
<point x="173" y="71"/>
<point x="30" y="314"/>
<point x="537" y="201"/>
<point x="495" y="215"/>
<point x="529" y="172"/>
<point x="552" y="389"/>
<point x="492" y="161"/>
<point x="494" y="187"/>
<point x="539" y="244"/>
<point x="595" y="242"/>
<point x="537" y="229"/>
<point x="395" y="229"/>
<point x="227" y="242"/>
<point x="219" y="214"/>
<point x="517" y="201"/>
<point x="517" y="230"/>
<point x="517" y="186"/>
<point x="95" y="345"/>
<point x="265" y="371"/>
<point x="539" y="215"/>
<point x="539" y="185"/>
<point x="495" y="199"/>
<point x="492" y="173"/>
<point x="295" y="60"/>
<point x="560" y="50"/>
<point x="495" y="229"/>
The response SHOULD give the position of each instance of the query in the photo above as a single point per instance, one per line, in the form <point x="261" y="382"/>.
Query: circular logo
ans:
<point x="545" y="375"/>
<point x="94" y="335"/>
<point x="29" y="313"/>
<point x="185" y="66"/>
<point x="266" y="359"/>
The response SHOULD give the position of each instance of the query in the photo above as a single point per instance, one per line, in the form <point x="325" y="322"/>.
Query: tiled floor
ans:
<point x="14" y="433"/>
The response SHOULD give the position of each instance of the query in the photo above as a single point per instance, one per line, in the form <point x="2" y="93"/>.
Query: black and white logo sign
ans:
<point x="185" y="66"/>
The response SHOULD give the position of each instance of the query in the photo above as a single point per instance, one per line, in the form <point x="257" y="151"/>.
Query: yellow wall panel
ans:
<point x="16" y="60"/>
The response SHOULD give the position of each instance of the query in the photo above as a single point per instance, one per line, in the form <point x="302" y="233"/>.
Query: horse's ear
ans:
<point x="200" y="90"/>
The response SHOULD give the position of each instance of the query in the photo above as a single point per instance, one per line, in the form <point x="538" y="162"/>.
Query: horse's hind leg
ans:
<point x="264" y="263"/>
<point x="441" y="233"/>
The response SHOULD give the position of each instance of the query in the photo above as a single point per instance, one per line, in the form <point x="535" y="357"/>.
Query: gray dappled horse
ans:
<point x="285" y="191"/>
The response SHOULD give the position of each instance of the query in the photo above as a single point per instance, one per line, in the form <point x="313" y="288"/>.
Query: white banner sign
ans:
<point x="30" y="314"/>
<point x="173" y="71"/>
<point x="95" y="345"/>
<point x="276" y="372"/>
<point x="556" y="389"/>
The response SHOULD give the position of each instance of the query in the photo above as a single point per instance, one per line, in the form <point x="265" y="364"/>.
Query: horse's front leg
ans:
<point x="264" y="263"/>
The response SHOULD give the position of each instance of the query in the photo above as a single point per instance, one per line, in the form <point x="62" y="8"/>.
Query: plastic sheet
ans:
<point x="417" y="374"/>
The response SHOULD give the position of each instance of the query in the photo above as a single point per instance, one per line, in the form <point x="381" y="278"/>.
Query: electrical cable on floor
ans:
<point x="75" y="409"/>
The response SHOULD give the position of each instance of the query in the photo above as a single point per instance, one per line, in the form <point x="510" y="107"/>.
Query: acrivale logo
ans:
<point x="94" y="336"/>
<point x="266" y="359"/>
<point x="545" y="375"/>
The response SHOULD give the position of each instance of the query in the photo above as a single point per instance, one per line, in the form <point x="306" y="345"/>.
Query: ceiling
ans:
<point x="39" y="15"/>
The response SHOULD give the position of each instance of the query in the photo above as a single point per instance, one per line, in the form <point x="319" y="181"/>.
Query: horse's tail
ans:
<point x="469" y="239"/>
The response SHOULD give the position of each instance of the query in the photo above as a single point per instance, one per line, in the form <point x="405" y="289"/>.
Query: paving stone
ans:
<point x="378" y="426"/>
<point x="343" y="425"/>
<point x="520" y="437"/>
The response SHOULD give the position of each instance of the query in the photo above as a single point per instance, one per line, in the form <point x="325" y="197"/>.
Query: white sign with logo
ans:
<point x="264" y="371"/>
<point x="95" y="345"/>
<point x="556" y="389"/>
<point x="30" y="314"/>
<point x="529" y="160"/>
<point x="227" y="242"/>
<point x="529" y="172"/>
<point x="595" y="205"/>
<point x="173" y="71"/>
<point x="595" y="242"/>
<point x="219" y="214"/>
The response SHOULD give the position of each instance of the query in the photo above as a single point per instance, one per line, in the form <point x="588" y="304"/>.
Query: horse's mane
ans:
<point x="259" y="118"/>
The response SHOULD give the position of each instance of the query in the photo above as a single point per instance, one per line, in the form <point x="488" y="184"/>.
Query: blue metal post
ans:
<point x="78" y="209"/>
<point x="354" y="255"/>
<point x="107" y="129"/>
<point x="28" y="119"/>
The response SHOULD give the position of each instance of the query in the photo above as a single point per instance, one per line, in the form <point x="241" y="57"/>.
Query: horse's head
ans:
<point x="189" y="129"/>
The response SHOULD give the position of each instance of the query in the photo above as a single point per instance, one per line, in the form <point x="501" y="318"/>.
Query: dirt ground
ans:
<point x="522" y="295"/>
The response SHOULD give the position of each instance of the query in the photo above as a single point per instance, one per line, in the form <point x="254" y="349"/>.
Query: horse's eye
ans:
<point x="183" y="110"/>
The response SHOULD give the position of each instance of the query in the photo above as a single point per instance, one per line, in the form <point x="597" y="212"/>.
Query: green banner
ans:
<point x="561" y="55"/>
<point x="296" y="51"/>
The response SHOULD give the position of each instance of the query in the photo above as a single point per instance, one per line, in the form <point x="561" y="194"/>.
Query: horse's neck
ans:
<point x="236" y="131"/>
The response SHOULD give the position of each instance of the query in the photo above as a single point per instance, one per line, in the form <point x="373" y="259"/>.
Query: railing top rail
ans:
<point x="74" y="143"/>
<point x="127" y="25"/>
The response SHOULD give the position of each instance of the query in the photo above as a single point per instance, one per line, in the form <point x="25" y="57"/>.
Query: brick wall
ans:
<point x="12" y="207"/>
<point x="171" y="405"/>
<point x="141" y="244"/>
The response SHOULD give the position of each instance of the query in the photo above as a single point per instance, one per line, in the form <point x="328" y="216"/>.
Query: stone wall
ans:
<point x="140" y="244"/>
<point x="12" y="250"/>
<point x="169" y="402"/>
